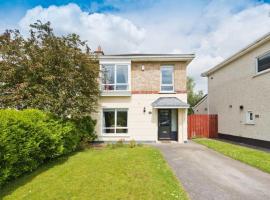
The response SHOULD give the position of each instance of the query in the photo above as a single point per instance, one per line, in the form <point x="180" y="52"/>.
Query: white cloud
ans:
<point x="212" y="30"/>
<point x="110" y="31"/>
<point x="230" y="35"/>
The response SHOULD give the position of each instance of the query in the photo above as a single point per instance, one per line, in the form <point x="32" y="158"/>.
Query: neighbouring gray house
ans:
<point x="201" y="108"/>
<point x="239" y="93"/>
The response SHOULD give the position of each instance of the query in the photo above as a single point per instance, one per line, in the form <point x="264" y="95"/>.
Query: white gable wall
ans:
<point x="237" y="84"/>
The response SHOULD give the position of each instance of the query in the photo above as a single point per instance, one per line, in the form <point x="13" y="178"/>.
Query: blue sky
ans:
<point x="212" y="29"/>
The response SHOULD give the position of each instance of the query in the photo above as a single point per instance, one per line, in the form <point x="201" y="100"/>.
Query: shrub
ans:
<point x="132" y="143"/>
<point x="86" y="126"/>
<point x="120" y="143"/>
<point x="30" y="137"/>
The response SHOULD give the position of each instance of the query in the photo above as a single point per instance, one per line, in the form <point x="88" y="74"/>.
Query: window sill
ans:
<point x="261" y="73"/>
<point x="115" y="93"/>
<point x="114" y="135"/>
<point x="249" y="123"/>
<point x="167" y="92"/>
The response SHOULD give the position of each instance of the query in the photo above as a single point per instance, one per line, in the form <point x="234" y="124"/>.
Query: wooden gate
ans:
<point x="202" y="126"/>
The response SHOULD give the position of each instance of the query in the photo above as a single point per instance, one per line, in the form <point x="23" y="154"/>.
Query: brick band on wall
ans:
<point x="155" y="92"/>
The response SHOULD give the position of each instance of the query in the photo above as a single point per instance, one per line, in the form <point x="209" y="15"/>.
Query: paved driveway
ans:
<point x="208" y="175"/>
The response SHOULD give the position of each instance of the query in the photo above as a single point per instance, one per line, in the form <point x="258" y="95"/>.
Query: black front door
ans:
<point x="164" y="124"/>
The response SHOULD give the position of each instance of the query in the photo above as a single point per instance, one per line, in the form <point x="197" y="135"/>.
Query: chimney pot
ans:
<point x="99" y="51"/>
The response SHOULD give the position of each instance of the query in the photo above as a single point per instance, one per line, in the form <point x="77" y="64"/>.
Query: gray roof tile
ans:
<point x="169" y="102"/>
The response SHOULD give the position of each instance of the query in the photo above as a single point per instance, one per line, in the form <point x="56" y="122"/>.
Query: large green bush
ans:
<point x="30" y="137"/>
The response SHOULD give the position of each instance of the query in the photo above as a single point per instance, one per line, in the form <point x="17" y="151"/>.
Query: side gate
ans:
<point x="202" y="126"/>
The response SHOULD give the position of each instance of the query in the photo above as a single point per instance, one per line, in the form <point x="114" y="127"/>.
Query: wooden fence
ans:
<point x="202" y="126"/>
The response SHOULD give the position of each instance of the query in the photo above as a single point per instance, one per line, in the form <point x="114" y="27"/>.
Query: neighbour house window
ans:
<point x="115" y="77"/>
<point x="250" y="117"/>
<point x="115" y="121"/>
<point x="167" y="82"/>
<point x="263" y="62"/>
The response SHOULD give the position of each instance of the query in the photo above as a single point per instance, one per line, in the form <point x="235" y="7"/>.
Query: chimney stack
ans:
<point x="99" y="51"/>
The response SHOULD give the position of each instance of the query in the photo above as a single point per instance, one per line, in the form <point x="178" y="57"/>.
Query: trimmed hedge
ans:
<point x="30" y="137"/>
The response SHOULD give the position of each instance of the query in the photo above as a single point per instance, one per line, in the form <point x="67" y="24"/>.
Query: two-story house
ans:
<point x="239" y="92"/>
<point x="143" y="97"/>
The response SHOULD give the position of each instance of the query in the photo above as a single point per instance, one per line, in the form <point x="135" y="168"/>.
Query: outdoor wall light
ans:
<point x="144" y="110"/>
<point x="241" y="107"/>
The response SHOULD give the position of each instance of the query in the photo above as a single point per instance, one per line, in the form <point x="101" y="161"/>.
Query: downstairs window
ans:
<point x="115" y="121"/>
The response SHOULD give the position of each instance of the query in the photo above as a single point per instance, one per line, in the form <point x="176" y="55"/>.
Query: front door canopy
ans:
<point x="169" y="102"/>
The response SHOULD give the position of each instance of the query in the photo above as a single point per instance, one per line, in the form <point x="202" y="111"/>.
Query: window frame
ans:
<point x="115" y="122"/>
<point x="256" y="65"/>
<point x="172" y="84"/>
<point x="115" y="84"/>
<point x="248" y="120"/>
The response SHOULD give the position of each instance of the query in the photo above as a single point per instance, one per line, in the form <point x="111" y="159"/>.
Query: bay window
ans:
<point x="115" y="77"/>
<point x="115" y="121"/>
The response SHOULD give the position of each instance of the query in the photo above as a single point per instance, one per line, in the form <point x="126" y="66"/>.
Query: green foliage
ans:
<point x="47" y="72"/>
<point x="193" y="97"/>
<point x="250" y="156"/>
<point x="120" y="143"/>
<point x="86" y="126"/>
<point x="30" y="137"/>
<point x="132" y="143"/>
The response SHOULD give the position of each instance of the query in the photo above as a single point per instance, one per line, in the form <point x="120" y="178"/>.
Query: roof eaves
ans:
<point x="240" y="53"/>
<point x="151" y="57"/>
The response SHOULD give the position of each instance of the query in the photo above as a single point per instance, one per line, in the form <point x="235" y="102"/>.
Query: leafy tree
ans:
<point x="193" y="97"/>
<point x="48" y="72"/>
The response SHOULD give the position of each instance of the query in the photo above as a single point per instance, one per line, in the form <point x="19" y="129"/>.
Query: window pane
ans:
<point x="108" y="130"/>
<point x="167" y="75"/>
<point x="122" y="74"/>
<point x="174" y="120"/>
<point x="166" y="88"/>
<point x="264" y="62"/>
<point x="108" y="119"/>
<point x="121" y="130"/>
<point x="108" y="87"/>
<point x="121" y="87"/>
<point x="250" y="116"/>
<point x="121" y="118"/>
<point x="108" y="74"/>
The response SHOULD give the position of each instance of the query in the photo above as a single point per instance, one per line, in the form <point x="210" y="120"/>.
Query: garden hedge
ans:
<point x="31" y="137"/>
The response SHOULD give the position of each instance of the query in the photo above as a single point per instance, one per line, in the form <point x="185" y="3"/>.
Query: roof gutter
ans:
<point x="242" y="52"/>
<point x="184" y="57"/>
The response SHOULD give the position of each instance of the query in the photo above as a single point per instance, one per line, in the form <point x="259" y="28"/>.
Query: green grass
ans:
<point x="120" y="173"/>
<point x="253" y="157"/>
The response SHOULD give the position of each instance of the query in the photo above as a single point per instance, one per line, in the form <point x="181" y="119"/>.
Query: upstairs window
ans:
<point x="167" y="82"/>
<point x="115" y="77"/>
<point x="263" y="63"/>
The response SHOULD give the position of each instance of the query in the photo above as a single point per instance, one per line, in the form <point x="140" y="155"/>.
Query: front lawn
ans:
<point x="253" y="157"/>
<point x="120" y="173"/>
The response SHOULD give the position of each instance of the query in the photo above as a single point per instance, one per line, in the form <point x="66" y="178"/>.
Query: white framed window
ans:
<point x="115" y="121"/>
<point x="250" y="117"/>
<point x="167" y="79"/>
<point x="263" y="63"/>
<point x="115" y="77"/>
